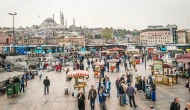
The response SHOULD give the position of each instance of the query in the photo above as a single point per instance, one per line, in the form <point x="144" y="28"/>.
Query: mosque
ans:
<point x="49" y="23"/>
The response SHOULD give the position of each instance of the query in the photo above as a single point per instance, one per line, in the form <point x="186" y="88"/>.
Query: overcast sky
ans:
<point x="128" y="14"/>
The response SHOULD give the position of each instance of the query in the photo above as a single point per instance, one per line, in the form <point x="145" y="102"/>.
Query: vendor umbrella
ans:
<point x="98" y="64"/>
<point x="113" y="60"/>
<point x="78" y="73"/>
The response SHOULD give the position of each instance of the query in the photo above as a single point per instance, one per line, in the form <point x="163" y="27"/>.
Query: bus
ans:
<point x="163" y="48"/>
<point x="20" y="50"/>
<point x="48" y="48"/>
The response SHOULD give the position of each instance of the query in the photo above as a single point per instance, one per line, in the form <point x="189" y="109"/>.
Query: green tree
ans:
<point x="107" y="33"/>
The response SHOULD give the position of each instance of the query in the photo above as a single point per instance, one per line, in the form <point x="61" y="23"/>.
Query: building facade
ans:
<point x="155" y="35"/>
<point x="182" y="37"/>
<point x="5" y="39"/>
<point x="74" y="41"/>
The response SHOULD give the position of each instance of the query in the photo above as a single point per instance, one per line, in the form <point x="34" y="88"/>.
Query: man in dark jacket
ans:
<point x="92" y="96"/>
<point x="125" y="64"/>
<point x="46" y="85"/>
<point x="117" y="86"/>
<point x="175" y="105"/>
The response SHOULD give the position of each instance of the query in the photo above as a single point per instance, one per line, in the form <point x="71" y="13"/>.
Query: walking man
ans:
<point x="175" y="105"/>
<point x="46" y="85"/>
<point x="131" y="92"/>
<point x="102" y="100"/>
<point x="92" y="96"/>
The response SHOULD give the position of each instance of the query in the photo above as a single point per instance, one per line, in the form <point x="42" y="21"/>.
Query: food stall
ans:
<point x="131" y="52"/>
<point x="113" y="64"/>
<point x="169" y="74"/>
<point x="79" y="82"/>
<point x="136" y="58"/>
<point x="97" y="70"/>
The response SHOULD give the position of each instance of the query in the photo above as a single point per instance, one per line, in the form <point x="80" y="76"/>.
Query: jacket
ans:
<point x="22" y="81"/>
<point x="108" y="85"/>
<point x="90" y="93"/>
<point x="175" y="106"/>
<point x="46" y="82"/>
<point x="102" y="98"/>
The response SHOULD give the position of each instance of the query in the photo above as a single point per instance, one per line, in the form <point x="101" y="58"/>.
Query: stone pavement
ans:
<point x="34" y="99"/>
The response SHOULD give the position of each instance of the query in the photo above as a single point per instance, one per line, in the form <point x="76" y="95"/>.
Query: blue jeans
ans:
<point x="125" y="99"/>
<point x="92" y="103"/>
<point x="108" y="91"/>
<point x="104" y="68"/>
<point x="46" y="87"/>
<point x="88" y="66"/>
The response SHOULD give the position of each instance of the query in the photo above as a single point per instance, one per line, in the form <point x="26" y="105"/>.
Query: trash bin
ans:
<point x="10" y="90"/>
<point x="17" y="88"/>
<point x="66" y="90"/>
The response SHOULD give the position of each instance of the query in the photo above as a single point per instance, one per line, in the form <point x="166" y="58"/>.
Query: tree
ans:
<point x="107" y="33"/>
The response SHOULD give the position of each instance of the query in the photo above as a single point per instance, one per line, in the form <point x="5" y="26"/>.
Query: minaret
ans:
<point x="53" y="17"/>
<point x="62" y="19"/>
<point x="73" y="21"/>
<point x="66" y="23"/>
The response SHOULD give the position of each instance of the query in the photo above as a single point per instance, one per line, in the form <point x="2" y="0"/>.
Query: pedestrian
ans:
<point x="67" y="71"/>
<point x="102" y="100"/>
<point x="117" y="86"/>
<point x="40" y="74"/>
<point x="125" y="65"/>
<point x="188" y="84"/>
<point x="46" y="85"/>
<point x="102" y="72"/>
<point x="143" y="84"/>
<point x="92" y="96"/>
<point x="175" y="105"/>
<point x="81" y="100"/>
<point x="121" y="92"/>
<point x="187" y="106"/>
<point x="99" y="84"/>
<point x="22" y="84"/>
<point x="107" y="64"/>
<point x="131" y="92"/>
<point x="25" y="78"/>
<point x="108" y="86"/>
<point x="88" y="63"/>
<point x="104" y="80"/>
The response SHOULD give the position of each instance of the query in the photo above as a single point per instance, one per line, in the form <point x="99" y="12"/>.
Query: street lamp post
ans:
<point x="13" y="14"/>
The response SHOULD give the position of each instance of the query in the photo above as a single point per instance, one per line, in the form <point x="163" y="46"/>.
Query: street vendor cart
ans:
<point x="79" y="83"/>
<point x="97" y="70"/>
<point x="113" y="64"/>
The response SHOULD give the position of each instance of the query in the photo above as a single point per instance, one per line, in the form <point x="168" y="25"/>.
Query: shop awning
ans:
<point x="116" y="49"/>
<point x="168" y="65"/>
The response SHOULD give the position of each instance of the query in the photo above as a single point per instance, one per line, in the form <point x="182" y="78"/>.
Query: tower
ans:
<point x="62" y="21"/>
<point x="53" y="17"/>
<point x="66" y="23"/>
<point x="73" y="21"/>
<point x="60" y="17"/>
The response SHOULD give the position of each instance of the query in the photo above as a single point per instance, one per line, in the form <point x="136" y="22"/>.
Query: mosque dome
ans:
<point x="48" y="23"/>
